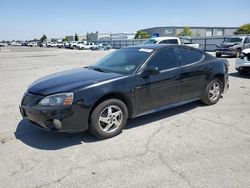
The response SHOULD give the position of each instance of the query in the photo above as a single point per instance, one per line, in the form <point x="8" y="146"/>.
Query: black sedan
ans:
<point x="128" y="83"/>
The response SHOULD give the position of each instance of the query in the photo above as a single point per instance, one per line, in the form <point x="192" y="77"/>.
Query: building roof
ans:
<point x="193" y="27"/>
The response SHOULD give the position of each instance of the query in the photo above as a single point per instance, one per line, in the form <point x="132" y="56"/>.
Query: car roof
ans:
<point x="164" y="38"/>
<point x="155" y="46"/>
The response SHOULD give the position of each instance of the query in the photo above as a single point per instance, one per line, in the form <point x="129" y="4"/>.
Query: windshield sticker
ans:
<point x="145" y="50"/>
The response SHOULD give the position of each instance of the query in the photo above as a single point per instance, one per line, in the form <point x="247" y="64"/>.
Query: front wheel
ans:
<point x="238" y="52"/>
<point x="218" y="54"/>
<point x="108" y="118"/>
<point x="213" y="92"/>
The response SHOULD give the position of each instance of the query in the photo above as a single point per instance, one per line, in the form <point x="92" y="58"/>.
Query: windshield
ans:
<point x="232" y="40"/>
<point x="122" y="61"/>
<point x="150" y="41"/>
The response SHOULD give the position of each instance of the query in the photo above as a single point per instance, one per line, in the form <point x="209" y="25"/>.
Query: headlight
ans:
<point x="61" y="99"/>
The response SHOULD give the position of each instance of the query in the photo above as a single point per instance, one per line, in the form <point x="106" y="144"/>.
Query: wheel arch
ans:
<point x="114" y="95"/>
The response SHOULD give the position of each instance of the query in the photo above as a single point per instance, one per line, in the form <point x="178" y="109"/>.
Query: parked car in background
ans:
<point x="169" y="40"/>
<point x="81" y="45"/>
<point x="187" y="41"/>
<point x="14" y="43"/>
<point x="66" y="44"/>
<point x="233" y="46"/>
<point x="3" y="44"/>
<point x="101" y="46"/>
<point x="44" y="44"/>
<point x="89" y="45"/>
<point x="127" y="83"/>
<point x="24" y="43"/>
<point x="32" y="44"/>
<point x="51" y="44"/>
<point x="163" y="40"/>
<point x="73" y="44"/>
<point x="60" y="44"/>
<point x="242" y="64"/>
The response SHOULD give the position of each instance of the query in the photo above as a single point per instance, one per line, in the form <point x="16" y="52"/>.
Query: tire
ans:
<point x="218" y="54"/>
<point x="238" y="52"/>
<point x="213" y="91"/>
<point x="108" y="118"/>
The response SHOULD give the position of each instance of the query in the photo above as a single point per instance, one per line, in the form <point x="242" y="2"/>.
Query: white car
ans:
<point x="32" y="44"/>
<point x="2" y="44"/>
<point x="89" y="46"/>
<point x="72" y="44"/>
<point x="169" y="40"/>
<point x="60" y="44"/>
<point x="81" y="45"/>
<point x="51" y="44"/>
<point x="163" y="40"/>
<point x="242" y="64"/>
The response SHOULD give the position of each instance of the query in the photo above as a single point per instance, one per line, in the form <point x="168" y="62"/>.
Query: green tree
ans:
<point x="66" y="39"/>
<point x="142" y="35"/>
<point x="185" y="32"/>
<point x="244" y="29"/>
<point x="43" y="38"/>
<point x="76" y="37"/>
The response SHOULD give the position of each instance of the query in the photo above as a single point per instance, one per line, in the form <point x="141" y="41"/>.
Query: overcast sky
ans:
<point x="29" y="19"/>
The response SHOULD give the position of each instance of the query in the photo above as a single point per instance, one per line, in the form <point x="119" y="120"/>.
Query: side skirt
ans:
<point x="166" y="107"/>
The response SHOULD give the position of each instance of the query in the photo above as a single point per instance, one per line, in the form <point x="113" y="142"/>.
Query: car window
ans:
<point x="165" y="59"/>
<point x="188" y="56"/>
<point x="169" y="41"/>
<point x="123" y="61"/>
<point x="246" y="40"/>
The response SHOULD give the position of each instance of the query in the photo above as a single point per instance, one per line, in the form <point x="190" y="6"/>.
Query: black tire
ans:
<point x="238" y="52"/>
<point x="212" y="98"/>
<point x="218" y="54"/>
<point x="97" y="126"/>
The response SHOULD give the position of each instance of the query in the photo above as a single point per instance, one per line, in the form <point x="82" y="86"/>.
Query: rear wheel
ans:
<point x="218" y="54"/>
<point x="213" y="92"/>
<point x="108" y="118"/>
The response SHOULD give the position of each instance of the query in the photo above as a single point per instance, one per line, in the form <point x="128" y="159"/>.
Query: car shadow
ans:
<point x="44" y="140"/>
<point x="236" y="74"/>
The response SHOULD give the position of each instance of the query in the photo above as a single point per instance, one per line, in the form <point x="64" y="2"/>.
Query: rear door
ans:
<point x="194" y="70"/>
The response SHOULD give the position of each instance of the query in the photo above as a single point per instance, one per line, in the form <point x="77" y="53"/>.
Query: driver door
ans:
<point x="163" y="88"/>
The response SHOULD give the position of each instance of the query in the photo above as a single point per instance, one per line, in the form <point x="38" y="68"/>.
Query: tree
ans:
<point x="244" y="29"/>
<point x="76" y="37"/>
<point x="142" y="35"/>
<point x="185" y="32"/>
<point x="43" y="38"/>
<point x="66" y="39"/>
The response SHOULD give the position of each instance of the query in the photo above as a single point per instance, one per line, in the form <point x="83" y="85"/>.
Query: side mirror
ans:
<point x="149" y="71"/>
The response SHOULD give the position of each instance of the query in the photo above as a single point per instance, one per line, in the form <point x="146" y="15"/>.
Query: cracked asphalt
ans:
<point x="189" y="146"/>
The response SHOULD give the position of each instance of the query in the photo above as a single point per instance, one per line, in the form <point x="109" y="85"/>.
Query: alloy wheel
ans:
<point x="110" y="118"/>
<point x="214" y="91"/>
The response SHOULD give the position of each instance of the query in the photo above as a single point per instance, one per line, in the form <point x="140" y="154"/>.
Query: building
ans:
<point x="109" y="36"/>
<point x="197" y="31"/>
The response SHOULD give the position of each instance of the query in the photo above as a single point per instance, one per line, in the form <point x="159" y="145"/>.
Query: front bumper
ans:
<point x="226" y="51"/>
<point x="72" y="119"/>
<point x="242" y="64"/>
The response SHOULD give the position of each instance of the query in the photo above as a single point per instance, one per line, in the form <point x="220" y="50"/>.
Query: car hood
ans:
<point x="227" y="44"/>
<point x="69" y="80"/>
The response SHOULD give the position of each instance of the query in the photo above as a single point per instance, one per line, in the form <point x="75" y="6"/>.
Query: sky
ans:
<point x="29" y="19"/>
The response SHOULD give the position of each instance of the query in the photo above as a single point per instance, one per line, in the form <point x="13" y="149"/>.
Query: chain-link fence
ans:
<point x="206" y="43"/>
